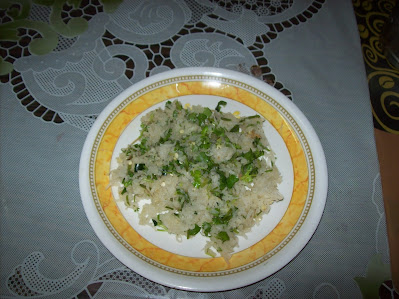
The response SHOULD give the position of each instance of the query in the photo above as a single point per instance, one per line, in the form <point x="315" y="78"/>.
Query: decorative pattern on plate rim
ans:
<point x="263" y="96"/>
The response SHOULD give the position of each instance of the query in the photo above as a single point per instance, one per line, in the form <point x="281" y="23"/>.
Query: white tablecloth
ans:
<point x="307" y="49"/>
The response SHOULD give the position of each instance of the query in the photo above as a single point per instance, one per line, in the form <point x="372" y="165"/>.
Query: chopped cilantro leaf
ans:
<point x="207" y="112"/>
<point x="194" y="231"/>
<point x="219" y="131"/>
<point x="223" y="236"/>
<point x="231" y="180"/>
<point x="129" y="171"/>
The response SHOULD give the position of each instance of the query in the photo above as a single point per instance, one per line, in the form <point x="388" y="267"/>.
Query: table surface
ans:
<point x="61" y="65"/>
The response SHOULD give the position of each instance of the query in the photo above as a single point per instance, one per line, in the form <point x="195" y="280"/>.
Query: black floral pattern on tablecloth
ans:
<point x="54" y="34"/>
<point x="373" y="17"/>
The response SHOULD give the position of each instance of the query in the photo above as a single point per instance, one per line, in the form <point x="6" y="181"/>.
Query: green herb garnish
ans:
<point x="166" y="136"/>
<point x="193" y="232"/>
<point x="236" y="128"/>
<point x="223" y="236"/>
<point x="206" y="228"/>
<point x="219" y="105"/>
<point x="139" y="166"/>
<point x="196" y="174"/>
<point x="231" y="180"/>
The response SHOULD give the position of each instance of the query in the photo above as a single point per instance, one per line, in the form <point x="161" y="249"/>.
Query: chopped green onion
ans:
<point x="236" y="128"/>
<point x="219" y="131"/>
<point x="201" y="118"/>
<point x="196" y="174"/>
<point x="192" y="117"/>
<point x="210" y="252"/>
<point x="168" y="133"/>
<point x="127" y="183"/>
<point x="203" y="157"/>
<point x="159" y="223"/>
<point x="206" y="228"/>
<point x="223" y="236"/>
<point x="129" y="171"/>
<point x="222" y="180"/>
<point x="219" y="105"/>
<point x="249" y="172"/>
<point x="224" y="219"/>
<point x="141" y="146"/>
<point x="217" y="193"/>
<point x="234" y="230"/>
<point x="250" y="156"/>
<point x="140" y="166"/>
<point x="183" y="198"/>
<point x="178" y="105"/>
<point x="204" y="130"/>
<point x="205" y="142"/>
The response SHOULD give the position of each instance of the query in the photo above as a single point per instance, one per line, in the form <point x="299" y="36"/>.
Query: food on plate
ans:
<point x="196" y="171"/>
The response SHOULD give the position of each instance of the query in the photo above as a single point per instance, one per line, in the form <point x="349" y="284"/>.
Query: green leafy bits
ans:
<point x="194" y="231"/>
<point x="219" y="105"/>
<point x="195" y="166"/>
<point x="223" y="236"/>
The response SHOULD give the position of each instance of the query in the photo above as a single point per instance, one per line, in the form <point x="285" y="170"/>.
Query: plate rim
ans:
<point x="316" y="209"/>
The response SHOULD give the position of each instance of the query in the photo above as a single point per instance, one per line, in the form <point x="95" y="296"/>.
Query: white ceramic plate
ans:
<point x="279" y="237"/>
